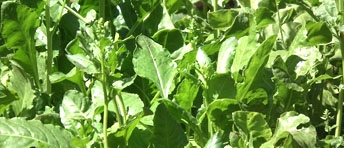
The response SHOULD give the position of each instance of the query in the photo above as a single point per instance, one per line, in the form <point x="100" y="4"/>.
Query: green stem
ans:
<point x="105" y="117"/>
<point x="76" y="14"/>
<point x="341" y="95"/>
<point x="49" y="61"/>
<point x="118" y="115"/>
<point x="50" y="34"/>
<point x="119" y="101"/>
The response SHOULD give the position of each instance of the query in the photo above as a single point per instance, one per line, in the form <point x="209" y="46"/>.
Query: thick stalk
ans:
<point x="341" y="95"/>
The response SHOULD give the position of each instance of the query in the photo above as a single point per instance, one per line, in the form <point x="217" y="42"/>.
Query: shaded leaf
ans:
<point x="222" y="19"/>
<point x="167" y="132"/>
<point x="220" y="112"/>
<point x="6" y="98"/>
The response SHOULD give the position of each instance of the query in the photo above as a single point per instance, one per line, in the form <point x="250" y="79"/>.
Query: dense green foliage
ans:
<point x="171" y="73"/>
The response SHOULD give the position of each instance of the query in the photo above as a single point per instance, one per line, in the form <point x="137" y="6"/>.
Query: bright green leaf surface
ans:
<point x="222" y="18"/>
<point x="19" y="133"/>
<point x="153" y="62"/>
<point x="318" y="33"/>
<point x="84" y="64"/>
<point x="253" y="126"/>
<point x="255" y="66"/>
<point x="226" y="55"/>
<point x="21" y="84"/>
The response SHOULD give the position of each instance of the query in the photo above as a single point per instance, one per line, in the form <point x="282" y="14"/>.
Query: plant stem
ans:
<point x="105" y="117"/>
<point x="76" y="14"/>
<point x="49" y="61"/>
<point x="119" y="101"/>
<point x="341" y="95"/>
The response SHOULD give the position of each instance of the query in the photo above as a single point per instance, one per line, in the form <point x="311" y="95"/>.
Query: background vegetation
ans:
<point x="171" y="73"/>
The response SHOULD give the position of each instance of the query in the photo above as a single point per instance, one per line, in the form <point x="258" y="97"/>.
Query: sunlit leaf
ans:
<point x="153" y="62"/>
<point x="222" y="18"/>
<point x="19" y="133"/>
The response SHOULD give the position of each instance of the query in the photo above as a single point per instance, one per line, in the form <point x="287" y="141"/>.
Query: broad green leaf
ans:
<point x="221" y="86"/>
<point x="83" y="63"/>
<point x="74" y="107"/>
<point x="21" y="84"/>
<point x="226" y="55"/>
<point x="255" y="67"/>
<point x="6" y="98"/>
<point x="318" y="33"/>
<point x="214" y="142"/>
<point x="18" y="27"/>
<point x="222" y="19"/>
<point x="282" y="75"/>
<point x="243" y="52"/>
<point x="173" y="5"/>
<point x="220" y="112"/>
<point x="123" y="134"/>
<point x="294" y="125"/>
<point x="133" y="103"/>
<point x="186" y="93"/>
<point x="19" y="133"/>
<point x="154" y="63"/>
<point x="170" y="39"/>
<point x="19" y="24"/>
<point x="263" y="17"/>
<point x="253" y="126"/>
<point x="167" y="132"/>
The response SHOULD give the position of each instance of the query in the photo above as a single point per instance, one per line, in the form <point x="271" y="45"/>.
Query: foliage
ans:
<point x="171" y="73"/>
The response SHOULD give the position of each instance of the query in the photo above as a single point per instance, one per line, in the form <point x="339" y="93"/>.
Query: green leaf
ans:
<point x="221" y="86"/>
<point x="220" y="110"/>
<point x="222" y="19"/>
<point x="21" y="84"/>
<point x="263" y="17"/>
<point x="318" y="33"/>
<point x="74" y="107"/>
<point x="243" y="52"/>
<point x="83" y="63"/>
<point x="255" y="67"/>
<point x="294" y="125"/>
<point x="253" y="126"/>
<point x="153" y="62"/>
<point x="167" y="132"/>
<point x="19" y="24"/>
<point x="133" y="103"/>
<point x="226" y="55"/>
<point x="214" y="142"/>
<point x="186" y="93"/>
<point x="6" y="98"/>
<point x="19" y="133"/>
<point x="171" y="39"/>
